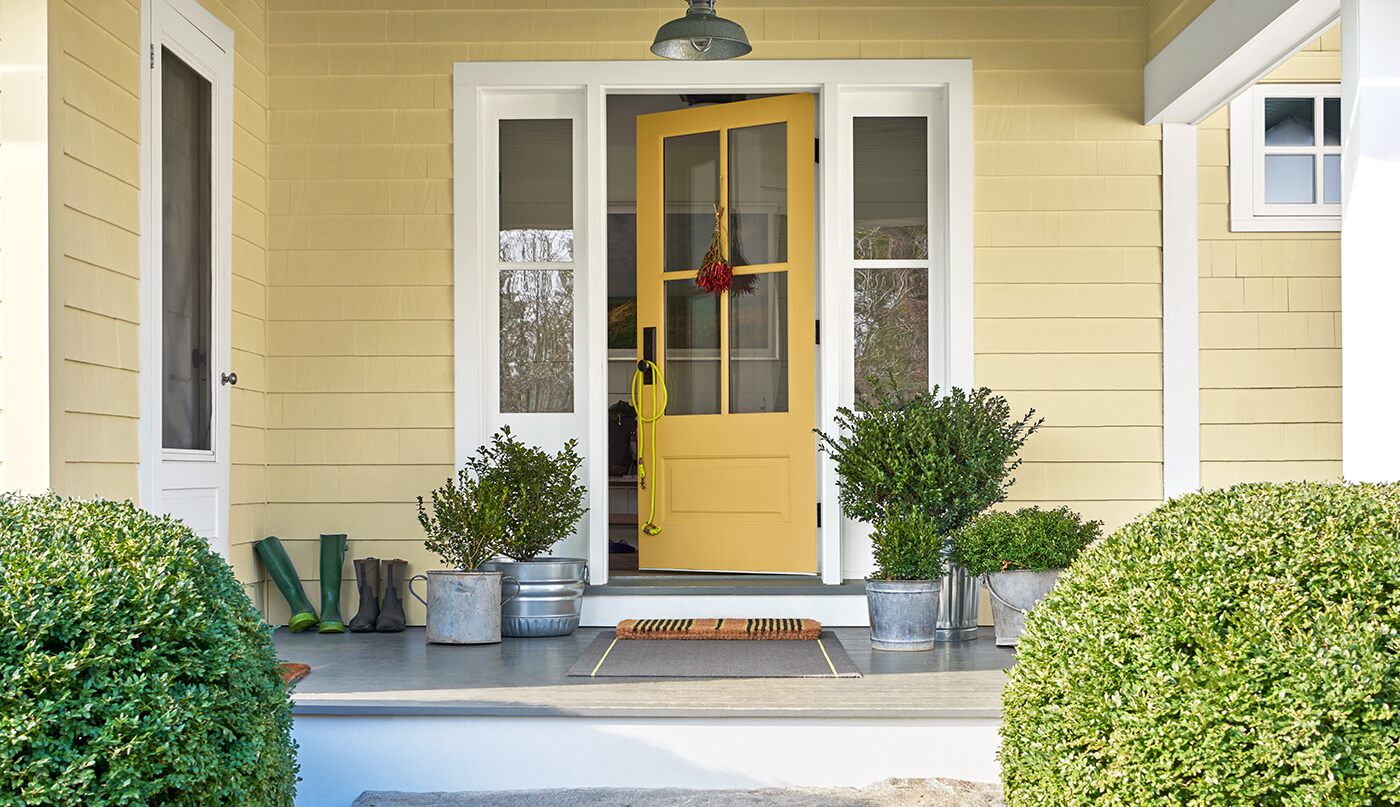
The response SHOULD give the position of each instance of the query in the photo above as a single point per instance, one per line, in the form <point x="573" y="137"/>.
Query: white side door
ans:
<point x="186" y="374"/>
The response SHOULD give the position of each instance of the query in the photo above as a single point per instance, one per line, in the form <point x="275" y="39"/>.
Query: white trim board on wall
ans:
<point x="480" y="91"/>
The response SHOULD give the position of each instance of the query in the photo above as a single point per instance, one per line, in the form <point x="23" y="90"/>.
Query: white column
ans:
<point x="1370" y="239"/>
<point x="1181" y="347"/>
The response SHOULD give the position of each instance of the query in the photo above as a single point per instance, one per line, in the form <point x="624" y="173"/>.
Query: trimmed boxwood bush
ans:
<point x="1029" y="539"/>
<point x="133" y="669"/>
<point x="1234" y="647"/>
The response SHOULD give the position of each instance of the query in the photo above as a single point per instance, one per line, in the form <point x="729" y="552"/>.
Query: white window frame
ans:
<point x="844" y="88"/>
<point x="1248" y="211"/>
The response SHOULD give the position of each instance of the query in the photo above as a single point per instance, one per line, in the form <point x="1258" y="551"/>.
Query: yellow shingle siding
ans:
<point x="1271" y="396"/>
<point x="96" y="269"/>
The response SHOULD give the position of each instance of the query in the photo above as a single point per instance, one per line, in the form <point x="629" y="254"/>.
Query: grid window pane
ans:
<point x="758" y="191"/>
<point x="758" y="343"/>
<point x="536" y="190"/>
<point x="1288" y="122"/>
<point x="1331" y="121"/>
<point x="691" y="187"/>
<point x="890" y="170"/>
<point x="537" y="340"/>
<point x="1289" y="179"/>
<point x="691" y="350"/>
<point x="1332" y="179"/>
<point x="891" y="332"/>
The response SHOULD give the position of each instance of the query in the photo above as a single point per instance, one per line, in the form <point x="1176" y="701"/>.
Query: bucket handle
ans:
<point x="987" y="581"/>
<point x="422" y="577"/>
<point x="506" y="577"/>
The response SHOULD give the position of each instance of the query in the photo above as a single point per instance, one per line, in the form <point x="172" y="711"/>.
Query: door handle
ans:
<point x="229" y="379"/>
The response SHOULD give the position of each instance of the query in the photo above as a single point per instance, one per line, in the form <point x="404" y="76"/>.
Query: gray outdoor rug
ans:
<point x="611" y="657"/>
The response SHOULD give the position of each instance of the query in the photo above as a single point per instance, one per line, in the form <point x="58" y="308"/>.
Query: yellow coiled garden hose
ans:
<point x="658" y="408"/>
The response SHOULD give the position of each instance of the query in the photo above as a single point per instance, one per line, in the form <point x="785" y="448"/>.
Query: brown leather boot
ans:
<point x="367" y="583"/>
<point x="391" y="618"/>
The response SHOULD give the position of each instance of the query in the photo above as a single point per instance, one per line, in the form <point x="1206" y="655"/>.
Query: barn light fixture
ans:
<point x="701" y="35"/>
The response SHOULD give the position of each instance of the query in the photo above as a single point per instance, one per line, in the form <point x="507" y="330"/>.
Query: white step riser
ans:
<point x="832" y="610"/>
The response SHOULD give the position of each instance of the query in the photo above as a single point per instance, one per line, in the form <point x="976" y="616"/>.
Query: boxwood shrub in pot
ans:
<point x="465" y="527"/>
<point x="1240" y="646"/>
<point x="923" y="464"/>
<point x="1019" y="557"/>
<point x="544" y="505"/>
<point x="134" y="668"/>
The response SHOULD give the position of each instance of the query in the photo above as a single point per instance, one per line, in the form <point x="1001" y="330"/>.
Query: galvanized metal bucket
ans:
<point x="958" y="606"/>
<point x="1013" y="595"/>
<point x="551" y="595"/>
<point x="903" y="613"/>
<point x="463" y="607"/>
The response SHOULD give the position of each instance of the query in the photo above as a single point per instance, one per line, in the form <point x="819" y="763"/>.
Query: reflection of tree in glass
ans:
<point x="536" y="246"/>
<point x="891" y="331"/>
<point x="537" y="340"/>
<point x="892" y="242"/>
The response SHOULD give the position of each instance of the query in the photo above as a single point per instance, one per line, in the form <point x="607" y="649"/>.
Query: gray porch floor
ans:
<point x="400" y="674"/>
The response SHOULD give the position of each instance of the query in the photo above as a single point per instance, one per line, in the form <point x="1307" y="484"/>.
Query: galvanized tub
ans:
<point x="1013" y="595"/>
<point x="551" y="595"/>
<point x="463" y="607"/>
<point x="958" y="606"/>
<point x="903" y="613"/>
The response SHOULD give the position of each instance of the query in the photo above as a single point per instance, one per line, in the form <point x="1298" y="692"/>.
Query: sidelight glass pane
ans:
<point x="691" y="349"/>
<point x="536" y="190"/>
<point x="186" y="265"/>
<point x="891" y="332"/>
<point x="890" y="169"/>
<point x="692" y="190"/>
<point x="1288" y="122"/>
<point x="758" y="195"/>
<point x="537" y="340"/>
<point x="758" y="343"/>
<point x="1332" y="179"/>
<point x="1289" y="179"/>
<point x="1331" y="121"/>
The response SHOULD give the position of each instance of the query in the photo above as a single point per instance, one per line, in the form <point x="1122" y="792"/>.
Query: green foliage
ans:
<point x="947" y="455"/>
<point x="1031" y="539"/>
<point x="467" y="525"/>
<point x="545" y="499"/>
<point x="133" y="669"/>
<point x="1234" y="647"/>
<point x="908" y="546"/>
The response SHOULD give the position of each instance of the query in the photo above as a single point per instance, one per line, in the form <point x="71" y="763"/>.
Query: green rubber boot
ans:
<point x="284" y="574"/>
<point x="332" y="562"/>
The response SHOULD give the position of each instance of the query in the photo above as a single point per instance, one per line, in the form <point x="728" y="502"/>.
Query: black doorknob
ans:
<point x="230" y="379"/>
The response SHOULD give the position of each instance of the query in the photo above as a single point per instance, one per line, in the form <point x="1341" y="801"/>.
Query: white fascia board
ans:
<point x="1229" y="47"/>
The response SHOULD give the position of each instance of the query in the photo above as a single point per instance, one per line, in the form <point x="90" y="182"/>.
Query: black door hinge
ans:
<point x="816" y="149"/>
<point x="819" y="332"/>
<point x="153" y="57"/>
<point x="819" y="514"/>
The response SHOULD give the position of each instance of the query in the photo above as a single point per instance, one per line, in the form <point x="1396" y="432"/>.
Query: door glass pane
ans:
<point x="1332" y="179"/>
<point x="537" y="190"/>
<point x="186" y="269"/>
<point x="1288" y="122"/>
<point x="891" y="329"/>
<point x="692" y="191"/>
<point x="758" y="195"/>
<point x="1289" y="179"/>
<point x="1331" y="121"/>
<point x="758" y="343"/>
<point x="890" y="169"/>
<point x="691" y="349"/>
<point x="622" y="281"/>
<point x="537" y="340"/>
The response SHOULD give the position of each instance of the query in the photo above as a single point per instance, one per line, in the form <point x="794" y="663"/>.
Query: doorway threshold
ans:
<point x="723" y="585"/>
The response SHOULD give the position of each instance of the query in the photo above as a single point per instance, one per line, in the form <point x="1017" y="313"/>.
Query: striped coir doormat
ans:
<point x="779" y="629"/>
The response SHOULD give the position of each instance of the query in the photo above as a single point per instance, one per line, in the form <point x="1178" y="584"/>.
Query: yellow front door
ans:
<point x="735" y="467"/>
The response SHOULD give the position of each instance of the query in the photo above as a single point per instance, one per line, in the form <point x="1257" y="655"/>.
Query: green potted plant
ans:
<point x="466" y="527"/>
<point x="1019" y="556"/>
<point x="924" y="464"/>
<point x="544" y="504"/>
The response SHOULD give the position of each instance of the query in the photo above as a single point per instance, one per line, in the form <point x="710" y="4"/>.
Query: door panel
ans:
<point x="735" y="452"/>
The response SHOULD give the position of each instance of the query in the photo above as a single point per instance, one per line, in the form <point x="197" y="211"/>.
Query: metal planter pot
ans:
<point x="903" y="613"/>
<point x="958" y="606"/>
<point x="551" y="595"/>
<point x="463" y="607"/>
<point x="1013" y="595"/>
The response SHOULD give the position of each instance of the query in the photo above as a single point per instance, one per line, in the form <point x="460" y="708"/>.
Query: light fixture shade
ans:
<point x="701" y="35"/>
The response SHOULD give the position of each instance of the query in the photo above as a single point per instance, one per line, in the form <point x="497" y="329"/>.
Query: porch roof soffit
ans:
<point x="1224" y="51"/>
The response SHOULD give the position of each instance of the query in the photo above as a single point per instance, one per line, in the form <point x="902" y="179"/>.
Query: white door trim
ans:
<point x="475" y="84"/>
<point x="206" y="44"/>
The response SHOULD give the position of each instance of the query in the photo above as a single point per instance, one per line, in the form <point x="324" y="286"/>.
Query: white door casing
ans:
<point x="190" y="484"/>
